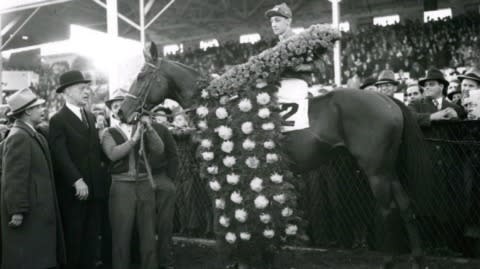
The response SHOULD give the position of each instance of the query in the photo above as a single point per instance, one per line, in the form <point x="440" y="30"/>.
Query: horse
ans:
<point x="377" y="130"/>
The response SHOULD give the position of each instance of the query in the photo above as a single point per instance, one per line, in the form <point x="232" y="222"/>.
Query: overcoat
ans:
<point x="28" y="187"/>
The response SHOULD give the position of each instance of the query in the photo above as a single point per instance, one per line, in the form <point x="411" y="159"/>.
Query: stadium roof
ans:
<point x="184" y="20"/>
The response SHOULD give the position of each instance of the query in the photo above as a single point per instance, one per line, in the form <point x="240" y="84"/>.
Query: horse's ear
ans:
<point x="150" y="52"/>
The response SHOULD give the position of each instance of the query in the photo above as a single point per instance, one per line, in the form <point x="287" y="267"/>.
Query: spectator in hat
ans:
<point x="30" y="217"/>
<point x="369" y="85"/>
<point x="454" y="93"/>
<point x="413" y="92"/>
<point x="132" y="198"/>
<point x="470" y="81"/>
<point x="77" y="159"/>
<point x="434" y="106"/>
<point x="386" y="83"/>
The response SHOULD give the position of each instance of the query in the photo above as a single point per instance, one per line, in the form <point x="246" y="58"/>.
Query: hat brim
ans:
<point x="109" y="102"/>
<point x="34" y="104"/>
<point x="363" y="86"/>
<point x="462" y="77"/>
<point x="449" y="95"/>
<point x="422" y="81"/>
<point x="273" y="13"/>
<point x="385" y="81"/>
<point x="62" y="87"/>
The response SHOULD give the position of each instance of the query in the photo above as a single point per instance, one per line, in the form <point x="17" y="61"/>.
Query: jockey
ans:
<point x="294" y="82"/>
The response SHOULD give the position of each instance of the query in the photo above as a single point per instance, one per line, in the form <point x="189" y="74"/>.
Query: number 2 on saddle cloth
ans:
<point x="293" y="97"/>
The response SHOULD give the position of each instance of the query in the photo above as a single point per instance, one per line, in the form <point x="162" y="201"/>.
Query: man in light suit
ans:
<point x="434" y="106"/>
<point x="80" y="177"/>
<point x="30" y="218"/>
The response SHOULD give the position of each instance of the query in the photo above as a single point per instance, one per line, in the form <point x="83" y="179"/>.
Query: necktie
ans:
<point x="84" y="117"/>
<point x="435" y="103"/>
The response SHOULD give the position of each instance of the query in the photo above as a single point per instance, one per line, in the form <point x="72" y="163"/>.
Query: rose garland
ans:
<point x="237" y="114"/>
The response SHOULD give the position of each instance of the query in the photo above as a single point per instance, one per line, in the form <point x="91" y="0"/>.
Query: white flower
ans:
<point x="224" y="132"/>
<point x="236" y="197"/>
<point x="269" y="233"/>
<point x="245" y="236"/>
<point x="214" y="185"/>
<point x="202" y="111"/>
<point x="252" y="162"/>
<point x="230" y="237"/>
<point x="276" y="178"/>
<point x="265" y="218"/>
<point x="202" y="125"/>
<point x="261" y="202"/>
<point x="241" y="215"/>
<point x="264" y="113"/>
<point x="247" y="127"/>
<point x="206" y="143"/>
<point x="272" y="157"/>
<point x="229" y="161"/>
<point x="245" y="105"/>
<point x="268" y="126"/>
<point x="269" y="144"/>
<point x="287" y="212"/>
<point x="233" y="179"/>
<point x="227" y="146"/>
<point x="280" y="198"/>
<point x="205" y="94"/>
<point x="224" y="221"/>
<point x="221" y="113"/>
<point x="212" y="170"/>
<point x="263" y="98"/>
<point x="291" y="229"/>
<point x="220" y="203"/>
<point x="260" y="84"/>
<point x="207" y="155"/>
<point x="248" y="144"/>
<point x="256" y="184"/>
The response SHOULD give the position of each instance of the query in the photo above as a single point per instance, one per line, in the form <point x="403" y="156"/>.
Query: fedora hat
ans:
<point x="22" y="100"/>
<point x="70" y="78"/>
<point x="281" y="10"/>
<point x="118" y="95"/>
<point x="434" y="74"/>
<point x="368" y="82"/>
<point x="386" y="76"/>
<point x="473" y="74"/>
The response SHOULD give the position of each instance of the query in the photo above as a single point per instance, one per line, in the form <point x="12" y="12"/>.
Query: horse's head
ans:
<point x="159" y="79"/>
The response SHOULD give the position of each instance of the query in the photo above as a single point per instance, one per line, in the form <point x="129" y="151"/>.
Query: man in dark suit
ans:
<point x="30" y="217"/>
<point x="434" y="106"/>
<point x="80" y="177"/>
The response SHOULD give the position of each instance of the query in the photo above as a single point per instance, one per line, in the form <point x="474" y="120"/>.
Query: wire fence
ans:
<point x="340" y="209"/>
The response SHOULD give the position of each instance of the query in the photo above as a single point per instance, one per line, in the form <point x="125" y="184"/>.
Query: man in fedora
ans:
<point x="386" y="83"/>
<point x="470" y="81"/>
<point x="80" y="177"/>
<point x="30" y="217"/>
<point x="434" y="106"/>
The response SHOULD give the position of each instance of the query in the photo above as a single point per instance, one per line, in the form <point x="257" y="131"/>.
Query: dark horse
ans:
<point x="377" y="130"/>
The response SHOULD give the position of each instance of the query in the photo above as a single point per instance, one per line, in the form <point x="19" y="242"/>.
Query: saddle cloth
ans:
<point x="293" y="97"/>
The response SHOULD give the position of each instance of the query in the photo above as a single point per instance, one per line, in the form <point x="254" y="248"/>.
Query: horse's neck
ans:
<point x="184" y="79"/>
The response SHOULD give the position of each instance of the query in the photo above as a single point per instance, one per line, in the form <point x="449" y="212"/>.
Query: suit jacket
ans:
<point x="28" y="187"/>
<point x="76" y="153"/>
<point x="423" y="108"/>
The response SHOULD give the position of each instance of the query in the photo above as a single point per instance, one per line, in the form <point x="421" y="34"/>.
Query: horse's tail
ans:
<point x="414" y="164"/>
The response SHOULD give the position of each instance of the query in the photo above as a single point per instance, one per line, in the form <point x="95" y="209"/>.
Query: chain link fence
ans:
<point x="340" y="209"/>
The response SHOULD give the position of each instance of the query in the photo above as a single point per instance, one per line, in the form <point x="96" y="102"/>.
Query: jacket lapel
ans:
<point x="73" y="119"/>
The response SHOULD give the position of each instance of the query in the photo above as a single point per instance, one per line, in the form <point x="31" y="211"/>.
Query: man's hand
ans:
<point x="138" y="132"/>
<point x="445" y="114"/>
<point x="81" y="189"/>
<point x="147" y="121"/>
<point x="16" y="220"/>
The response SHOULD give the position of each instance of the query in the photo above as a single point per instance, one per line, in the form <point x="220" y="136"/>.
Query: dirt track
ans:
<point x="202" y="255"/>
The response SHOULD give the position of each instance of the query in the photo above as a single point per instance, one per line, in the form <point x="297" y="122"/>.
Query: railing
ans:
<point x="339" y="206"/>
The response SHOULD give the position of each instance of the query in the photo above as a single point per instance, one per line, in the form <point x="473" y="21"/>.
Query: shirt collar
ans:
<point x="75" y="109"/>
